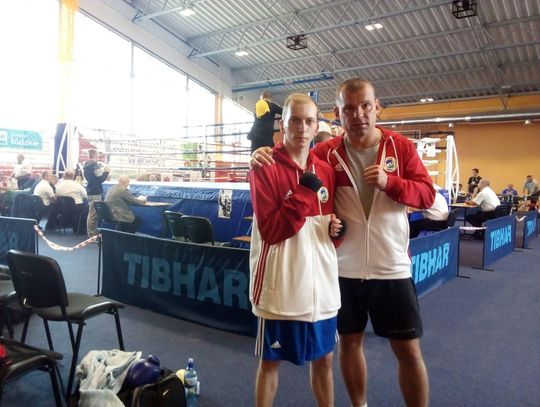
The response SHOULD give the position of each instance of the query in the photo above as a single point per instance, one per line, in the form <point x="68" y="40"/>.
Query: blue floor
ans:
<point x="481" y="342"/>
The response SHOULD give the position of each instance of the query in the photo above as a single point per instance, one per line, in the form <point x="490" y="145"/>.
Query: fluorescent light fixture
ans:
<point x="527" y="122"/>
<point x="450" y="125"/>
<point x="241" y="53"/>
<point x="187" y="12"/>
<point x="424" y="100"/>
<point x="371" y="27"/>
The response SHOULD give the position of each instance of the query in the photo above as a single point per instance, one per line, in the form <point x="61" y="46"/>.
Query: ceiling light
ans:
<point x="371" y="27"/>
<point x="450" y="125"/>
<point x="241" y="53"/>
<point x="527" y="122"/>
<point x="187" y="12"/>
<point x="424" y="100"/>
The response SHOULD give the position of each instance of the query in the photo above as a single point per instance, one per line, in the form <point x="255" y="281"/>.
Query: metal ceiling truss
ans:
<point x="199" y="54"/>
<point x="141" y="15"/>
<point x="347" y="51"/>
<point x="400" y="61"/>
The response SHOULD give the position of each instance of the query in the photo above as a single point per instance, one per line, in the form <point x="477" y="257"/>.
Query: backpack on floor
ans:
<point x="168" y="391"/>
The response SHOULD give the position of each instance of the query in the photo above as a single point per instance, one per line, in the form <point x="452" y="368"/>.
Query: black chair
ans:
<point x="68" y="214"/>
<point x="199" y="229"/>
<point x="452" y="217"/>
<point x="502" y="210"/>
<point x="28" y="206"/>
<point x="7" y="297"/>
<point x="175" y="225"/>
<point x="22" y="359"/>
<point x="105" y="216"/>
<point x="40" y="285"/>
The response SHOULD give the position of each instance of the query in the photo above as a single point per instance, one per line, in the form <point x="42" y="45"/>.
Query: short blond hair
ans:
<point x="297" y="98"/>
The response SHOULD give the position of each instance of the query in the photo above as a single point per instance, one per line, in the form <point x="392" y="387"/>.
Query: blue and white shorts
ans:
<point x="295" y="341"/>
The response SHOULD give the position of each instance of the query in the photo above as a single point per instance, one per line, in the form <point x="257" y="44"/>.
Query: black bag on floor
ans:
<point x="168" y="391"/>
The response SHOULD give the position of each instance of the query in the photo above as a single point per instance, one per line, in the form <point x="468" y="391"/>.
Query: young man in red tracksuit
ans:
<point x="294" y="287"/>
<point x="378" y="174"/>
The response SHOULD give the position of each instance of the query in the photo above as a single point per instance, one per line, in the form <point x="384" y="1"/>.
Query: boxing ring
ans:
<point x="225" y="204"/>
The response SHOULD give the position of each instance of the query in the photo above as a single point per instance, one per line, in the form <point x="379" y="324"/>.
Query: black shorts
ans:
<point x="392" y="306"/>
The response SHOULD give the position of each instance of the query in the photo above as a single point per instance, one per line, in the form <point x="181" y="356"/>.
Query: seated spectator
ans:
<point x="530" y="186"/>
<point x="119" y="198"/>
<point x="68" y="187"/>
<point x="509" y="190"/>
<point x="324" y="133"/>
<point x="44" y="190"/>
<point x="434" y="218"/>
<point x="488" y="201"/>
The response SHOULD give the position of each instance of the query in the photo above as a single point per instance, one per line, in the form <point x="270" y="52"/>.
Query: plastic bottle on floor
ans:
<point x="191" y="384"/>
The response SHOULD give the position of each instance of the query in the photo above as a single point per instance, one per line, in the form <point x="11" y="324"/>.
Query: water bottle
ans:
<point x="191" y="384"/>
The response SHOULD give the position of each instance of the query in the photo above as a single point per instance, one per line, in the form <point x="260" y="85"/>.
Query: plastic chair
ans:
<point x="7" y="296"/>
<point x="199" y="229"/>
<point x="22" y="359"/>
<point x="502" y="210"/>
<point x="175" y="225"/>
<point x="40" y="285"/>
<point x="68" y="213"/>
<point x="452" y="217"/>
<point x="104" y="214"/>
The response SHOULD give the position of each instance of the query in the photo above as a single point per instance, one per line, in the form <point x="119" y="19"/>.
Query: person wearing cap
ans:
<point x="262" y="132"/>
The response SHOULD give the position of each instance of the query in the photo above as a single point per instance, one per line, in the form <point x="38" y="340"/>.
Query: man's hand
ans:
<point x="376" y="177"/>
<point x="261" y="157"/>
<point x="337" y="226"/>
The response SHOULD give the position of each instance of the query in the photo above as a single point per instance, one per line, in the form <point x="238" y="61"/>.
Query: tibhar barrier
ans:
<point x="208" y="285"/>
<point x="435" y="259"/>
<point x="18" y="234"/>
<point x="530" y="226"/>
<point x="499" y="239"/>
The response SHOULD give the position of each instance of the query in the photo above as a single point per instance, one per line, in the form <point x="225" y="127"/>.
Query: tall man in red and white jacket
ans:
<point x="294" y="288"/>
<point x="378" y="174"/>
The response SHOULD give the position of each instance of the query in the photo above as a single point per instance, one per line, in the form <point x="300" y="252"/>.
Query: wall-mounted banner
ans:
<point x="16" y="233"/>
<point x="208" y="285"/>
<point x="499" y="239"/>
<point x="435" y="259"/>
<point x="529" y="228"/>
<point x="21" y="139"/>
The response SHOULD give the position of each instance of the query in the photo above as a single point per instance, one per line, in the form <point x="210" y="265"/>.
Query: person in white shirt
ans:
<point x="68" y="187"/>
<point x="434" y="218"/>
<point x="22" y="171"/>
<point x="44" y="189"/>
<point x="488" y="200"/>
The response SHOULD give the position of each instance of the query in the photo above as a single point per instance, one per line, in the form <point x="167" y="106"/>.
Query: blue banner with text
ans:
<point x="434" y="259"/>
<point x="208" y="285"/>
<point x="529" y="228"/>
<point x="499" y="239"/>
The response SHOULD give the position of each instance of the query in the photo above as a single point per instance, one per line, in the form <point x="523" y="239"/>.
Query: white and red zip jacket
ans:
<point x="293" y="261"/>
<point x="377" y="247"/>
